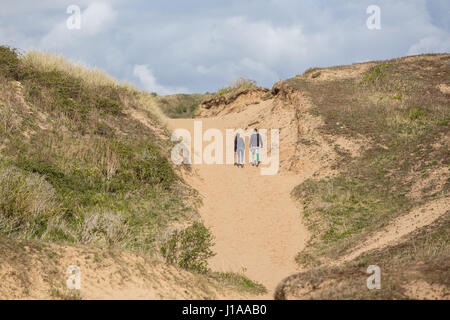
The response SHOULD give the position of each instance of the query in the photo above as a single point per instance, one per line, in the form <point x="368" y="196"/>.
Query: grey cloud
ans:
<point x="199" y="46"/>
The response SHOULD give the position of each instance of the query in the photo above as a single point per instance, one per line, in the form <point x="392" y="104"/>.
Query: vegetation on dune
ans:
<point x="45" y="62"/>
<point x="189" y="248"/>
<point x="237" y="85"/>
<point x="187" y="105"/>
<point x="180" y="105"/>
<point x="240" y="281"/>
<point x="75" y="166"/>
<point x="422" y="258"/>
<point x="404" y="134"/>
<point x="398" y="108"/>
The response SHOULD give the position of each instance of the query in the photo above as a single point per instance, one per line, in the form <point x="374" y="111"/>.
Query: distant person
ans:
<point x="255" y="145"/>
<point x="240" y="147"/>
<point x="235" y="149"/>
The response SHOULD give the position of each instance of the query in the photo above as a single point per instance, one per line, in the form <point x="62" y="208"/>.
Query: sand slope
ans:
<point x="257" y="226"/>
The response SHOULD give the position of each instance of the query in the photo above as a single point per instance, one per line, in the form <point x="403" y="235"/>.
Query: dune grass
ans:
<point x="240" y="83"/>
<point x="47" y="62"/>
<point x="398" y="108"/>
<point x="75" y="166"/>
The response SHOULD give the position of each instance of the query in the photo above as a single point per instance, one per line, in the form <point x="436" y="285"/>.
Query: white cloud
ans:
<point x="95" y="19"/>
<point x="431" y="44"/>
<point x="149" y="82"/>
<point x="202" y="69"/>
<point x="168" y="47"/>
<point x="265" y="40"/>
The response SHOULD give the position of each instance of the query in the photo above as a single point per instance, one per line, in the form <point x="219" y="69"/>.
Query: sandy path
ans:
<point x="257" y="226"/>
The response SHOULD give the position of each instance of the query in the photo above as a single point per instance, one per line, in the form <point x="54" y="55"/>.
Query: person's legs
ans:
<point x="257" y="155"/>
<point x="240" y="156"/>
<point x="253" y="155"/>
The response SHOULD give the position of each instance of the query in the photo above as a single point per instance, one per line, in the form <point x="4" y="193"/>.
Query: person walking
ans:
<point x="240" y="147"/>
<point x="235" y="150"/>
<point x="255" y="145"/>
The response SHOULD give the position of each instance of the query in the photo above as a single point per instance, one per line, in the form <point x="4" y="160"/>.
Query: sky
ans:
<point x="200" y="46"/>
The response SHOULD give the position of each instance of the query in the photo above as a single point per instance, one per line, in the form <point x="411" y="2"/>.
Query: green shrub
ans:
<point x="148" y="166"/>
<point x="189" y="248"/>
<point x="181" y="109"/>
<point x="27" y="201"/>
<point x="70" y="95"/>
<point x="375" y="73"/>
<point x="415" y="113"/>
<point x="9" y="62"/>
<point x="108" y="105"/>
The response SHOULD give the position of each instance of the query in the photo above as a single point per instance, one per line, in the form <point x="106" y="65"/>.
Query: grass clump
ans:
<point x="237" y="85"/>
<point x="27" y="202"/>
<point x="397" y="96"/>
<point x="65" y="294"/>
<point x="376" y="73"/>
<point x="240" y="281"/>
<point x="47" y="63"/>
<point x="189" y="248"/>
<point x="9" y="62"/>
<point x="415" y="113"/>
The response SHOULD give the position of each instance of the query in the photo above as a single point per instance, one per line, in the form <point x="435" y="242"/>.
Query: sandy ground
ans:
<point x="39" y="271"/>
<point x="257" y="226"/>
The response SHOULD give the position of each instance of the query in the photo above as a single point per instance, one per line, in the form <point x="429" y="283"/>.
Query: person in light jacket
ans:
<point x="255" y="145"/>
<point x="240" y="147"/>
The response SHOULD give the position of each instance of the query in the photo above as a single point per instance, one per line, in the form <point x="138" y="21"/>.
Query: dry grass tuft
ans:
<point x="47" y="62"/>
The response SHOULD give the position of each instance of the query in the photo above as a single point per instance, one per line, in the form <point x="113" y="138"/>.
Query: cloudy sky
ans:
<point x="198" y="46"/>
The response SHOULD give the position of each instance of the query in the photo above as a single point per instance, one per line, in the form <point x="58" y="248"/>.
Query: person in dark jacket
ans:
<point x="255" y="145"/>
